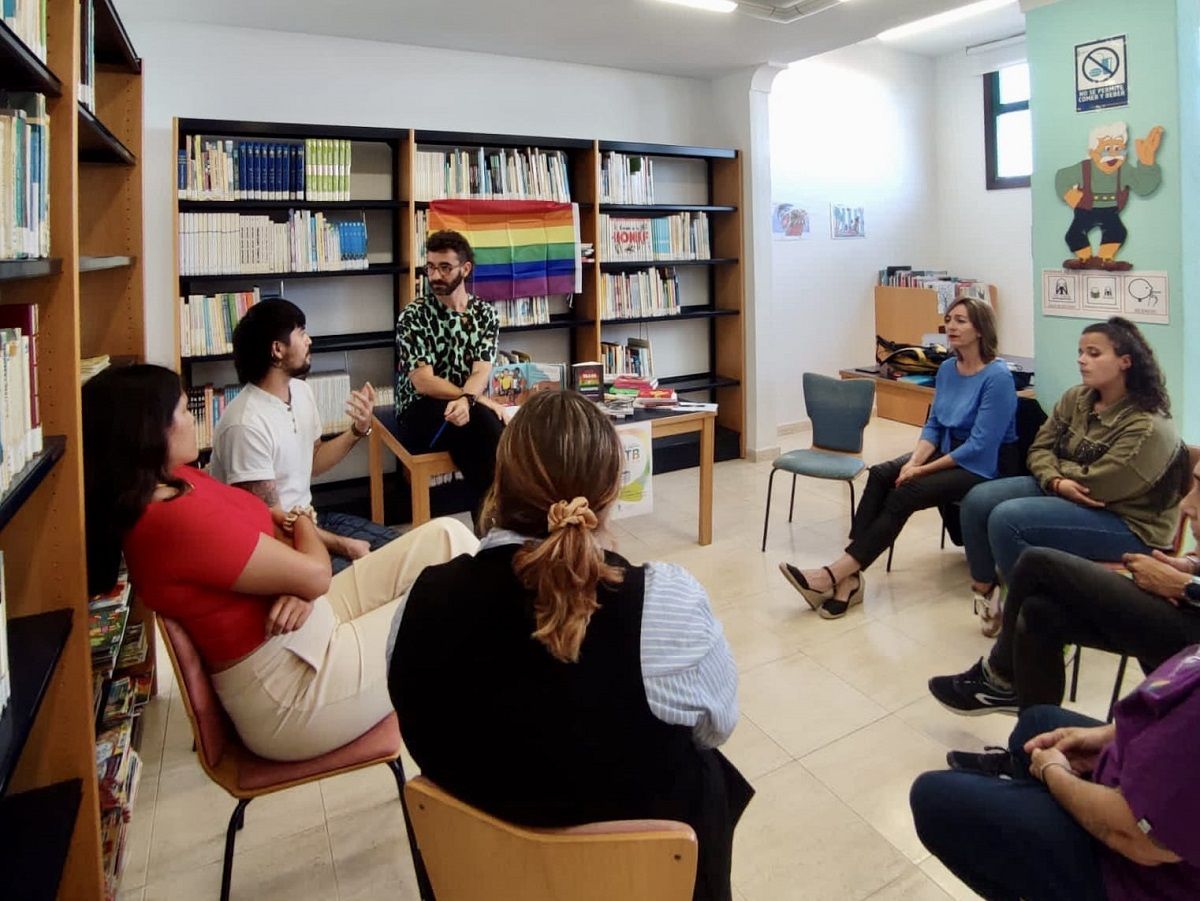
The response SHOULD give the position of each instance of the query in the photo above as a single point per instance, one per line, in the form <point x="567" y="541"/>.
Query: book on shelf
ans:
<point x="949" y="288"/>
<point x="24" y="177"/>
<point x="118" y="770"/>
<point x="645" y="292"/>
<point x="206" y="322"/>
<point x="27" y="20"/>
<point x="626" y="178"/>
<point x="222" y="168"/>
<point x="680" y="236"/>
<point x="496" y="174"/>
<point x="330" y="391"/>
<point x="628" y="367"/>
<point x="23" y="317"/>
<point x="245" y="244"/>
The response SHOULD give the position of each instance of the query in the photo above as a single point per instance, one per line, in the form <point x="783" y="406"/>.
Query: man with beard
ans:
<point x="268" y="440"/>
<point x="445" y="347"/>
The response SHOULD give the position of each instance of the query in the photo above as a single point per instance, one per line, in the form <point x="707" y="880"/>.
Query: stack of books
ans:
<point x="641" y="392"/>
<point x="119" y="768"/>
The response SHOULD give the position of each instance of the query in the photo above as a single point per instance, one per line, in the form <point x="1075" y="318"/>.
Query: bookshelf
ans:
<point x="50" y="837"/>
<point x="708" y="329"/>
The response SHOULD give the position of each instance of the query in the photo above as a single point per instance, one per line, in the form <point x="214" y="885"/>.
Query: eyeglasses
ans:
<point x="441" y="268"/>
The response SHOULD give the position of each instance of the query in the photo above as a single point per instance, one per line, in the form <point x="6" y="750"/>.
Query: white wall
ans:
<point x="983" y="234"/>
<point x="852" y="126"/>
<point x="227" y="73"/>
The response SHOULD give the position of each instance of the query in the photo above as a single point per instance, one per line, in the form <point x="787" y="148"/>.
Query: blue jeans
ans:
<point x="1009" y="839"/>
<point x="1002" y="517"/>
<point x="350" y="526"/>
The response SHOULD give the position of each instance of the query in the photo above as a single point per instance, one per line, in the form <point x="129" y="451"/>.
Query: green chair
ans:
<point x="839" y="410"/>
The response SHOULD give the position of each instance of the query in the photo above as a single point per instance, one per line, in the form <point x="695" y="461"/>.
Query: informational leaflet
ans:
<point x="1140" y="295"/>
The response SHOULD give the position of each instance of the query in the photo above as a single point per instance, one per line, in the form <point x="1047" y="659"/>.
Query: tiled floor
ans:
<point x="836" y="722"/>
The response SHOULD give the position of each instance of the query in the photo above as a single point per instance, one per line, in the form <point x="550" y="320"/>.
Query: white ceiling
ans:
<point x="644" y="35"/>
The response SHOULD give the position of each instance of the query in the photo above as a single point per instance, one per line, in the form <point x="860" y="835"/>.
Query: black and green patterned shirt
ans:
<point x="429" y="333"/>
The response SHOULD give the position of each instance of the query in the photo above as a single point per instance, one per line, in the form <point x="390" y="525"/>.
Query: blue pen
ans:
<point x="438" y="434"/>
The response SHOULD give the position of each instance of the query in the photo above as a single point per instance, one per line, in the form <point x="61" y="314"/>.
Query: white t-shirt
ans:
<point x="259" y="437"/>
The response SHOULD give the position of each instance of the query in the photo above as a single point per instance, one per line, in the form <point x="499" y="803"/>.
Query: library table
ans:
<point x="423" y="467"/>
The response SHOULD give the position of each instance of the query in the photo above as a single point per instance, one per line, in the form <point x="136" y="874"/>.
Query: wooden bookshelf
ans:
<point x="51" y="809"/>
<point x="717" y="310"/>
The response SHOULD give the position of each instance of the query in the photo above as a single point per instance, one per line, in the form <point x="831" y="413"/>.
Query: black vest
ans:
<point x="496" y="721"/>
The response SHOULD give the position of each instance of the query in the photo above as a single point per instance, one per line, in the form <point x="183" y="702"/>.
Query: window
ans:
<point x="1008" y="134"/>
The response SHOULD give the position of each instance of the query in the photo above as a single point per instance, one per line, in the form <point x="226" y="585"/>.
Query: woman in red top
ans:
<point x="298" y="659"/>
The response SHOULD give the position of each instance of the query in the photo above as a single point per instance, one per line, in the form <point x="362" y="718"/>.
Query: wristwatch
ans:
<point x="1191" y="592"/>
<point x="357" y="433"/>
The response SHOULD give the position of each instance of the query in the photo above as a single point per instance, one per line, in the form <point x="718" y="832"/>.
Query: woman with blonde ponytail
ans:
<point x="548" y="681"/>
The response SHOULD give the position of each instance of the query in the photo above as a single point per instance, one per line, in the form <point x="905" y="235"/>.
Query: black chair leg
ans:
<point x="767" y="515"/>
<point x="1116" y="695"/>
<point x="424" y="887"/>
<point x="850" y="482"/>
<point x="792" y="503"/>
<point x="943" y="544"/>
<point x="891" y="548"/>
<point x="1075" y="672"/>
<point x="236" y="822"/>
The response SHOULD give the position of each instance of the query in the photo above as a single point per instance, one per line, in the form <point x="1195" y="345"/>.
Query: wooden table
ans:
<point x="907" y="401"/>
<point x="423" y="467"/>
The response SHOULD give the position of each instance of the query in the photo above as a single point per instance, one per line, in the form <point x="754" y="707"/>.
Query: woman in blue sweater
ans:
<point x="970" y="437"/>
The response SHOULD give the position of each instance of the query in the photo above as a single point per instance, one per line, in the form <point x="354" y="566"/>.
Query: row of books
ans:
<point x="948" y="287"/>
<point x="206" y="322"/>
<point x="119" y="768"/>
<point x="27" y="20"/>
<point x="523" y="311"/>
<point x="214" y="168"/>
<point x="503" y="174"/>
<point x="633" y="358"/>
<point x="682" y="236"/>
<point x="330" y="390"/>
<point x="626" y="179"/>
<point x="239" y="244"/>
<point x="24" y="175"/>
<point x="647" y="292"/>
<point x="20" y="416"/>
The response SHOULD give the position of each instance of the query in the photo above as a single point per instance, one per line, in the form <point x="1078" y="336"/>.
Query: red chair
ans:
<point x="247" y="776"/>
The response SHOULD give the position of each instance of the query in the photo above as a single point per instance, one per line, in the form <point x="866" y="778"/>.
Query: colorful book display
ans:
<point x="682" y="236"/>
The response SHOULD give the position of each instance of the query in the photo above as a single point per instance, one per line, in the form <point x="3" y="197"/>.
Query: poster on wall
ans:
<point x="847" y="221"/>
<point x="789" y="222"/>
<point x="636" y="496"/>
<point x="1101" y="74"/>
<point x="1142" y="296"/>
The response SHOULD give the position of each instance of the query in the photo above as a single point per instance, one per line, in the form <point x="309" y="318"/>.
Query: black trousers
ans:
<point x="472" y="447"/>
<point x="1056" y="599"/>
<point x="884" y="508"/>
<point x="1108" y="219"/>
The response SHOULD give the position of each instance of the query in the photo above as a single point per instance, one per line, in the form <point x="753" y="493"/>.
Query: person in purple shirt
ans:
<point x="970" y="437"/>
<point x="1075" y="808"/>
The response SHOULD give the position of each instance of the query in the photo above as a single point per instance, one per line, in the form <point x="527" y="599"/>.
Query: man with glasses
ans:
<point x="445" y="347"/>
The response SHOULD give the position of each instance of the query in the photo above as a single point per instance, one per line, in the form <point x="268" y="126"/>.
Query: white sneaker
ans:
<point x="990" y="608"/>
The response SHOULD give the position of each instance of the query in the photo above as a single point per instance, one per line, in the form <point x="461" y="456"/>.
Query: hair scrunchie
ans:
<point x="571" y="513"/>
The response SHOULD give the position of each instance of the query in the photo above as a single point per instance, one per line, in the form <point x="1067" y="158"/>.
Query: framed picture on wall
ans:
<point x="847" y="221"/>
<point x="789" y="222"/>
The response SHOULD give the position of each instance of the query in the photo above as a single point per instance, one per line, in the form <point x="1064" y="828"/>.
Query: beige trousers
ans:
<point x="303" y="694"/>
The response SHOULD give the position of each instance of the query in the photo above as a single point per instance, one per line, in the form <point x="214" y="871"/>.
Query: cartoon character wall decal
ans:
<point x="1098" y="188"/>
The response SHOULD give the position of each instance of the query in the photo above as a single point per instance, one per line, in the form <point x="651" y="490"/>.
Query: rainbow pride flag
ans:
<point x="523" y="248"/>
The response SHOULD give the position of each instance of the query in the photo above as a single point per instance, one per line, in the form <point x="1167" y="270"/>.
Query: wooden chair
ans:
<point x="420" y="469"/>
<point x="472" y="856"/>
<point x="1117" y="566"/>
<point x="247" y="776"/>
